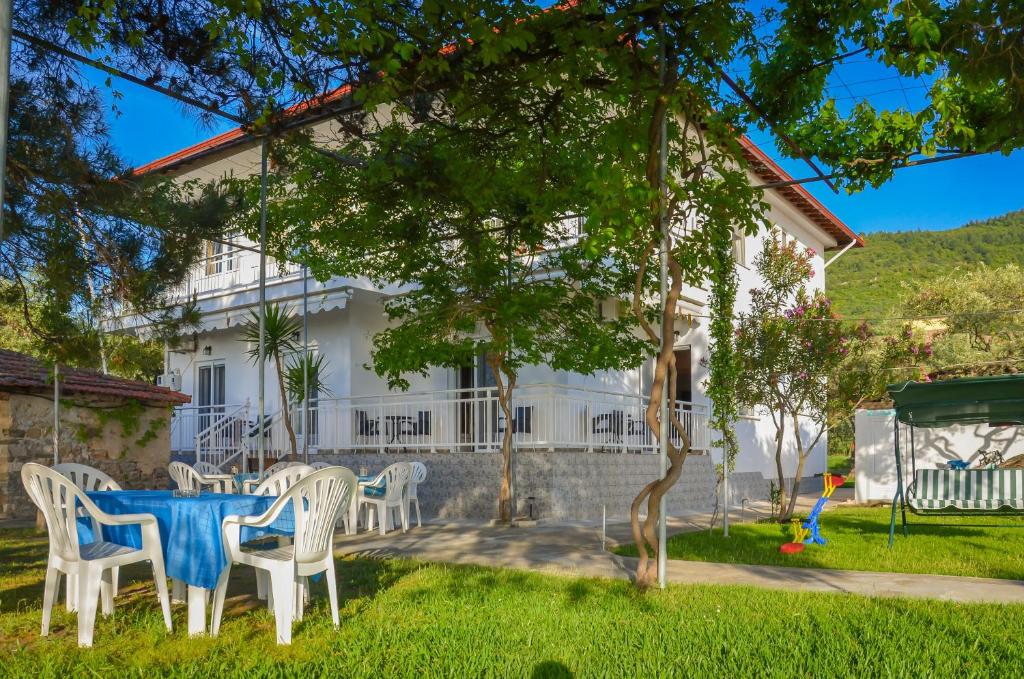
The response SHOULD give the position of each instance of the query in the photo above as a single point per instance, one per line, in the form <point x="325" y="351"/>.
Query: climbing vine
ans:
<point x="128" y="416"/>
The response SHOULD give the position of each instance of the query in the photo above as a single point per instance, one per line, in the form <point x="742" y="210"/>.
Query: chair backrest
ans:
<point x="316" y="501"/>
<point x="58" y="498"/>
<point x="396" y="476"/>
<point x="322" y="465"/>
<point x="86" y="477"/>
<point x="185" y="476"/>
<point x="283" y="479"/>
<point x="207" y="468"/>
<point x="363" y="424"/>
<point x="416" y="477"/>
<point x="278" y="466"/>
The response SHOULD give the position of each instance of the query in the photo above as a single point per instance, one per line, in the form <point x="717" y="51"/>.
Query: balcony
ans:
<point x="546" y="417"/>
<point x="232" y="271"/>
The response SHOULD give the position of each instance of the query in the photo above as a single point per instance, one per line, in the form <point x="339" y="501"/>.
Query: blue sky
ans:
<point x="940" y="196"/>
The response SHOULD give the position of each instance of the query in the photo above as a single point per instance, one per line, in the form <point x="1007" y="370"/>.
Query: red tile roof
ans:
<point x="768" y="170"/>
<point x="23" y="373"/>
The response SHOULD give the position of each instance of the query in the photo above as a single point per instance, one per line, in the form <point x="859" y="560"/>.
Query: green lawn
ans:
<point x="840" y="464"/>
<point x="409" y="619"/>
<point x="858" y="540"/>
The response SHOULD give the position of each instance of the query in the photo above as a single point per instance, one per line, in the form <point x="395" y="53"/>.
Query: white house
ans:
<point x="561" y="418"/>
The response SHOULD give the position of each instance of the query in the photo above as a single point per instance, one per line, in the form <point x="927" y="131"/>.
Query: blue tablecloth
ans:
<point x="189" y="527"/>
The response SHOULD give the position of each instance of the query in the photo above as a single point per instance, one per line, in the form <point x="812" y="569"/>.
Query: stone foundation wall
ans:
<point x="565" y="486"/>
<point x="26" y="435"/>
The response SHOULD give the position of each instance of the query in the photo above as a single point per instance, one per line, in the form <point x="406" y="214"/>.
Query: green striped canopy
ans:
<point x="997" y="400"/>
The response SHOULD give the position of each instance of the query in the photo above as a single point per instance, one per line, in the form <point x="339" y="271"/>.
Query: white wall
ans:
<point x="875" y="462"/>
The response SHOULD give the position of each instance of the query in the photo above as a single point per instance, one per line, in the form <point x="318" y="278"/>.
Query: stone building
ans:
<point x="119" y="426"/>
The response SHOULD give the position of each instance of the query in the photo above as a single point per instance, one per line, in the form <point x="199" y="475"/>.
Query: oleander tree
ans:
<point x="804" y="366"/>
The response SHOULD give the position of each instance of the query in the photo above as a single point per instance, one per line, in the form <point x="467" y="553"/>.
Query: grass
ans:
<point x="842" y="465"/>
<point x="409" y="619"/>
<point x="980" y="546"/>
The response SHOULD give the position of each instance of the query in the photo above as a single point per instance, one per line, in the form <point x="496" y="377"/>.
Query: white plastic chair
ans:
<point x="283" y="479"/>
<point x="418" y="476"/>
<point x="315" y="501"/>
<point x="343" y="518"/>
<point x="57" y="497"/>
<point x="187" y="478"/>
<point x="249" y="484"/>
<point x="208" y="469"/>
<point x="86" y="478"/>
<point x="395" y="477"/>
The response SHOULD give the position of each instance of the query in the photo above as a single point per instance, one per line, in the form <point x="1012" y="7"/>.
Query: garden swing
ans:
<point x="995" y="401"/>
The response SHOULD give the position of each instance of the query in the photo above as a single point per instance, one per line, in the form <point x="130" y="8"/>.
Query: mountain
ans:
<point x="870" y="281"/>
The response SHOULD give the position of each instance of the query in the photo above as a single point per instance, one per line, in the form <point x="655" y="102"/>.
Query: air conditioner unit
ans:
<point x="171" y="380"/>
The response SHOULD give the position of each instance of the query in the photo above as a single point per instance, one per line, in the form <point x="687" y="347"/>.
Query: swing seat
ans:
<point x="968" y="491"/>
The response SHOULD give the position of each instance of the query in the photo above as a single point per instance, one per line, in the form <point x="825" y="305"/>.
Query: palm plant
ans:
<point x="306" y="372"/>
<point x="281" y="330"/>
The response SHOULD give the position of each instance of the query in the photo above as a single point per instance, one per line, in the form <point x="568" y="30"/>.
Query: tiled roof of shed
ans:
<point x="20" y="372"/>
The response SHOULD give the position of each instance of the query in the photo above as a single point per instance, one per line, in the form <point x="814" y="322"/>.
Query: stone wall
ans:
<point x="26" y="435"/>
<point x="565" y="486"/>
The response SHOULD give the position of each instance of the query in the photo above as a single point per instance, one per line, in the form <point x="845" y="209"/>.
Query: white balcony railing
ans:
<point x="232" y="271"/>
<point x="545" y="417"/>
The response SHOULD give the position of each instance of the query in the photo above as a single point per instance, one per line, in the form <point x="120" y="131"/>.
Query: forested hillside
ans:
<point x="870" y="281"/>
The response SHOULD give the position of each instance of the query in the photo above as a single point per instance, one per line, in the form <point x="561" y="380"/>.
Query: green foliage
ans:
<point x="306" y="372"/>
<point x="801" y="364"/>
<point x="873" y="281"/>
<point x="128" y="416"/>
<point x="280" y="332"/>
<point x="961" y="49"/>
<point x="979" y="330"/>
<point x="280" y="339"/>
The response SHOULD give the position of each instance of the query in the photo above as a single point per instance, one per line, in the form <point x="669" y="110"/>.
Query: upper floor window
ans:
<point x="739" y="248"/>
<point x="218" y="258"/>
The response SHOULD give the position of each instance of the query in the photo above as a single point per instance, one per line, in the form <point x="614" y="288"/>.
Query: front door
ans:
<point x="684" y="377"/>
<point x="210" y="394"/>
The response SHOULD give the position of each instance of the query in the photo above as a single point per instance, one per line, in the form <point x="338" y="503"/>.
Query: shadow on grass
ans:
<point x="550" y="669"/>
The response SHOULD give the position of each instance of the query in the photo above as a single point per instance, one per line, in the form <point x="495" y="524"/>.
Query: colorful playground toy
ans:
<point x="808" y="532"/>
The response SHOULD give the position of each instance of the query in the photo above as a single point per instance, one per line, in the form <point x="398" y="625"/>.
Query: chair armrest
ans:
<point x="262" y="521"/>
<point x="106" y="519"/>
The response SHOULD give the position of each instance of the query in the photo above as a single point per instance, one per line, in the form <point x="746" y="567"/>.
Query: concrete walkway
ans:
<point x="576" y="550"/>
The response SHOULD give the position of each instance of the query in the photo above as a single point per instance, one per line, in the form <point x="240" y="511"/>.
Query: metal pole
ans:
<point x="261" y="441"/>
<point x="56" y="412"/>
<point x="666" y="331"/>
<point x="511" y="424"/>
<point x="5" y="97"/>
<point x="305" y="362"/>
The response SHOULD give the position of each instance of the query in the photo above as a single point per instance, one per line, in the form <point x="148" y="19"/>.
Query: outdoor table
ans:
<point x="225" y="482"/>
<point x="396" y="426"/>
<point x="190" y="535"/>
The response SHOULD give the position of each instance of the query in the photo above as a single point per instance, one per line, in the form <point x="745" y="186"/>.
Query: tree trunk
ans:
<point x="780" y="439"/>
<point x="286" y="415"/>
<point x="645" y="535"/>
<point x="802" y="456"/>
<point x="501" y="373"/>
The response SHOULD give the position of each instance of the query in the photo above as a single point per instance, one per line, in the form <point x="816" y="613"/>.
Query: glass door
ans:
<point x="210" y="394"/>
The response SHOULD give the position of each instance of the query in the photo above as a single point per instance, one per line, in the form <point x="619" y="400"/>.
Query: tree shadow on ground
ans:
<point x="550" y="669"/>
